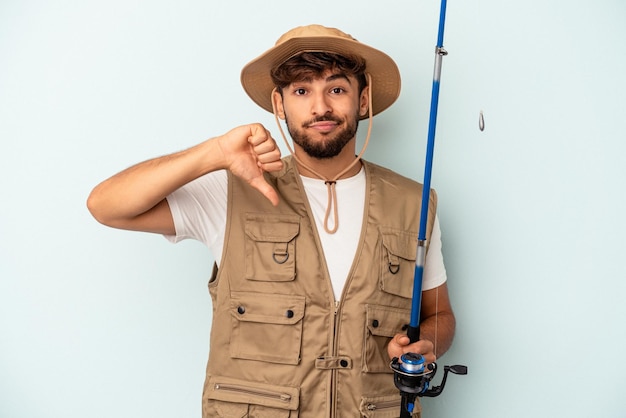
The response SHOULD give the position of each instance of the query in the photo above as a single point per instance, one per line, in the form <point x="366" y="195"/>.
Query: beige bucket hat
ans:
<point x="256" y="80"/>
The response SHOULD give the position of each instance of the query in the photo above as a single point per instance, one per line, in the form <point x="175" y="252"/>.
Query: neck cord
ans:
<point x="331" y="183"/>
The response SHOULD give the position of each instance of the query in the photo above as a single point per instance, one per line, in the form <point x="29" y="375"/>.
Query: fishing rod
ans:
<point x="412" y="375"/>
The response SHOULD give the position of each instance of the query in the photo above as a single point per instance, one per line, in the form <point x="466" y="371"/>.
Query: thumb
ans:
<point x="266" y="190"/>
<point x="402" y="340"/>
<point x="395" y="348"/>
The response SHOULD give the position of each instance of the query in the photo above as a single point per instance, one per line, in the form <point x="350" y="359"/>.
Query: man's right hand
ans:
<point x="248" y="151"/>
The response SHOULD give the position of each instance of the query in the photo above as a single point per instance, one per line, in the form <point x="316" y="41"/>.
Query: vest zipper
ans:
<point x="336" y="328"/>
<point x="284" y="397"/>
<point x="383" y="405"/>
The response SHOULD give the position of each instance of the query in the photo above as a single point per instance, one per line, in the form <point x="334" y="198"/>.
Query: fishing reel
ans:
<point x="412" y="377"/>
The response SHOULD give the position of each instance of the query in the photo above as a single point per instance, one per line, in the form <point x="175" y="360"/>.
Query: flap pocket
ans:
<point x="383" y="322"/>
<point x="272" y="228"/>
<point x="270" y="247"/>
<point x="398" y="252"/>
<point x="239" y="396"/>
<point x="402" y="244"/>
<point x="266" y="327"/>
<point x="267" y="308"/>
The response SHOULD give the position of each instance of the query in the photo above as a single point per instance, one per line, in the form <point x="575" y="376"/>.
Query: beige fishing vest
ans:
<point x="280" y="344"/>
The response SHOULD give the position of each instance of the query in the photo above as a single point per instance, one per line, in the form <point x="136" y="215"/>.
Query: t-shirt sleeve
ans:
<point x="434" y="268"/>
<point x="199" y="209"/>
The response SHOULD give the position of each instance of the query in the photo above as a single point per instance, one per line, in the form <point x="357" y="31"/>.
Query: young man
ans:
<point x="315" y="252"/>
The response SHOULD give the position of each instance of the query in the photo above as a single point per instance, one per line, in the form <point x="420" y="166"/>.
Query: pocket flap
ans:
<point x="385" y="321"/>
<point x="272" y="228"/>
<point x="400" y="243"/>
<point x="247" y="392"/>
<point x="267" y="308"/>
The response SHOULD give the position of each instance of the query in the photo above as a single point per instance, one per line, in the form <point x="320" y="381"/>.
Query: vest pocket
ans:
<point x="233" y="398"/>
<point x="270" y="247"/>
<point x="385" y="407"/>
<point x="383" y="322"/>
<point x="266" y="327"/>
<point x="398" y="253"/>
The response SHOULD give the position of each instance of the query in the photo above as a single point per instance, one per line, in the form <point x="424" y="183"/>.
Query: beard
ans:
<point x="331" y="145"/>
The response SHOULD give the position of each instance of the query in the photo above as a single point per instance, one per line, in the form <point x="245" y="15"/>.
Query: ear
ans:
<point x="364" y="101"/>
<point x="277" y="101"/>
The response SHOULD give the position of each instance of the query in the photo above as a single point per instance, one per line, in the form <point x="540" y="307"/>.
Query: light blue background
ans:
<point x="96" y="322"/>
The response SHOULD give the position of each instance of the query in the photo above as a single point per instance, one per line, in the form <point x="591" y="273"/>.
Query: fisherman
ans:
<point x="315" y="252"/>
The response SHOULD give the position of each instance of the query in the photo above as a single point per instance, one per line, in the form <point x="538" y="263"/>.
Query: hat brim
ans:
<point x="257" y="82"/>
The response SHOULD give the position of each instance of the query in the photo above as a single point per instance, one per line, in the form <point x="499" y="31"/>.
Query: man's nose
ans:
<point x="320" y="104"/>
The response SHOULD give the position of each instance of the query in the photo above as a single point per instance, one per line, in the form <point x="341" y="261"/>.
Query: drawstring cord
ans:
<point x="331" y="183"/>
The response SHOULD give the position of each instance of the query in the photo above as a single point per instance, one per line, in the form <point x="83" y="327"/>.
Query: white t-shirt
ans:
<point x="199" y="212"/>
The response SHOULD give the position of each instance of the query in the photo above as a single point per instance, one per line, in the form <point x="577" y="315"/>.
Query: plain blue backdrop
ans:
<point x="100" y="323"/>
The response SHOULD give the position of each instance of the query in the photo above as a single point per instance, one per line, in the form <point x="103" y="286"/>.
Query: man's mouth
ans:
<point x="323" y="124"/>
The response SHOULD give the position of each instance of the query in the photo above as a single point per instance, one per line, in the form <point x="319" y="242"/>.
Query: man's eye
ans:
<point x="337" y="90"/>
<point x="300" y="92"/>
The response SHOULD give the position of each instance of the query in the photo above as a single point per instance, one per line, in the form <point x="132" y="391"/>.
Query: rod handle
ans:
<point x="413" y="333"/>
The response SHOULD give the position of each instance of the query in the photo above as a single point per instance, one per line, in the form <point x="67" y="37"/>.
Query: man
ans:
<point x="315" y="252"/>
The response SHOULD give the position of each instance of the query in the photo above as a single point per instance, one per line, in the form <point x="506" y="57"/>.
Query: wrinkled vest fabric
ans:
<point x="280" y="344"/>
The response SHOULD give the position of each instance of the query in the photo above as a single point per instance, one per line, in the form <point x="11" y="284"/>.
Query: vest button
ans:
<point x="344" y="363"/>
<point x="289" y="313"/>
<point x="375" y="323"/>
<point x="241" y="310"/>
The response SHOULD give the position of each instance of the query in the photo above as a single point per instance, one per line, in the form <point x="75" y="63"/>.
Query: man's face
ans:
<point x="322" y="114"/>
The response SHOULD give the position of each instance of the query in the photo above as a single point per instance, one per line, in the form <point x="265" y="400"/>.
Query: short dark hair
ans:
<point x="314" y="65"/>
